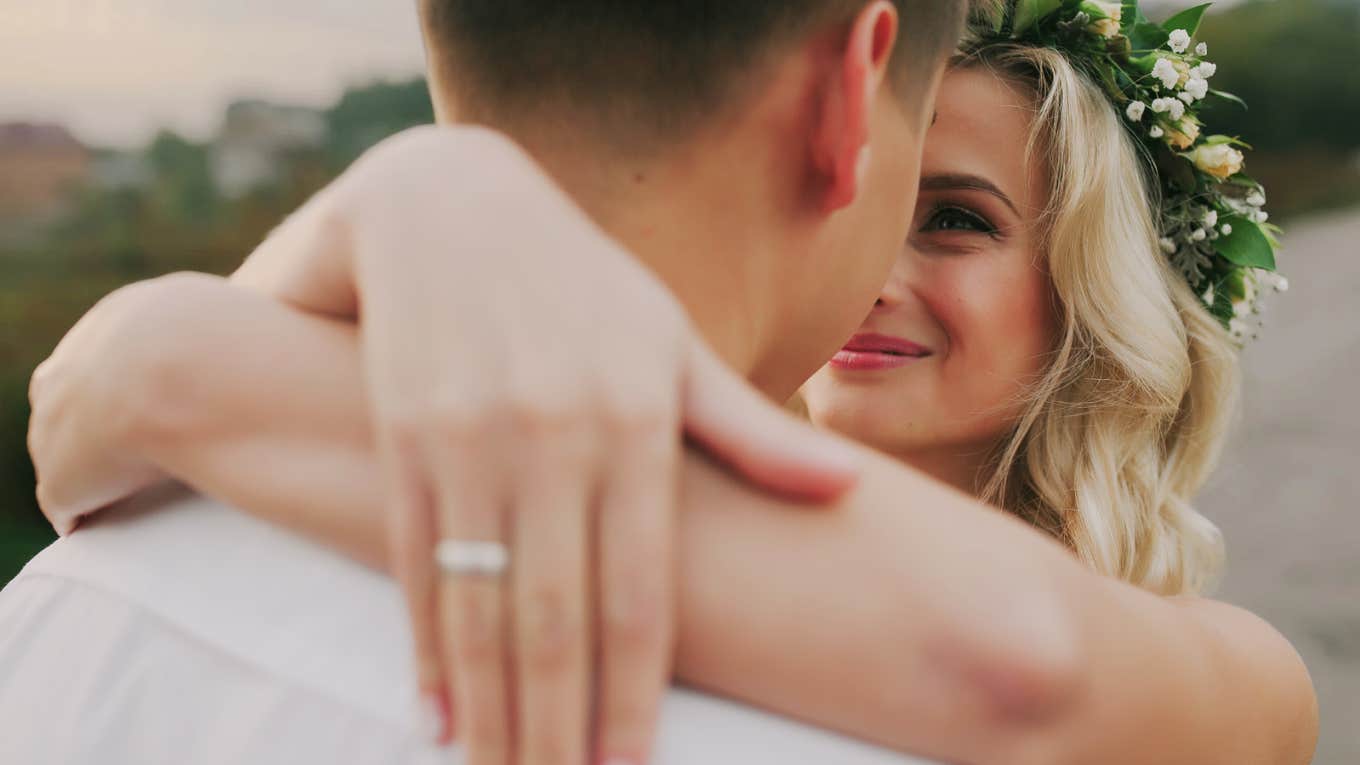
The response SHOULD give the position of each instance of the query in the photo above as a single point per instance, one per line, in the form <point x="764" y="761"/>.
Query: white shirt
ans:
<point x="173" y="629"/>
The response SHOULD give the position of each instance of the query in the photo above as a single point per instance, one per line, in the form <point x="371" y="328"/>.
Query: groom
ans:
<point x="736" y="166"/>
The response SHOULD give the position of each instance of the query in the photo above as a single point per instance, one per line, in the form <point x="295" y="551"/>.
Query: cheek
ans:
<point x="999" y="326"/>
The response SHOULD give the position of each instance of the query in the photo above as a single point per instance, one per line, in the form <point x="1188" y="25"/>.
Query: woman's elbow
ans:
<point x="1019" y="662"/>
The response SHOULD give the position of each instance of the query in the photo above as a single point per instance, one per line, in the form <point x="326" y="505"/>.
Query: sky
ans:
<point x="115" y="71"/>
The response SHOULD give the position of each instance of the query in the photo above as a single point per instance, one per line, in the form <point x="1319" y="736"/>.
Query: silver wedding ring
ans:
<point x="458" y="557"/>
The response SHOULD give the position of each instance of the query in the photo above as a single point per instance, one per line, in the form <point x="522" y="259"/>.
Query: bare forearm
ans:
<point x="259" y="405"/>
<point x="910" y="615"/>
<point x="863" y="602"/>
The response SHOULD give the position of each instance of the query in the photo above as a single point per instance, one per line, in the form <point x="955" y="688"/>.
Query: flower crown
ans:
<point x="1213" y="229"/>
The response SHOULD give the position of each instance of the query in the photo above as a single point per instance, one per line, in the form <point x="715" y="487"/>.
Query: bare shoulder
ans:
<point x="1267" y="668"/>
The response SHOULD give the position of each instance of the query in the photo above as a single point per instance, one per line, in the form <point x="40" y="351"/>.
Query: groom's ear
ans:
<point x="840" y="141"/>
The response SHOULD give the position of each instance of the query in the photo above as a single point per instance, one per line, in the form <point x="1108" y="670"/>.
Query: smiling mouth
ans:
<point x="886" y="344"/>
<point x="871" y="351"/>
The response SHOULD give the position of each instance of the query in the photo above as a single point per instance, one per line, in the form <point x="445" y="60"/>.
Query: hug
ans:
<point x="747" y="381"/>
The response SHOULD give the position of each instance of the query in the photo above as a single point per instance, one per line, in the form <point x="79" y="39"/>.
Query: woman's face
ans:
<point x="935" y="374"/>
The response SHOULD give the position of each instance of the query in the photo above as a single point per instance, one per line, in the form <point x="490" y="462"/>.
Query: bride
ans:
<point x="1058" y="339"/>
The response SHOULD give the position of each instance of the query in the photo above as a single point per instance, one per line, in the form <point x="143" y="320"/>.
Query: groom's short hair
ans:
<point x="645" y="69"/>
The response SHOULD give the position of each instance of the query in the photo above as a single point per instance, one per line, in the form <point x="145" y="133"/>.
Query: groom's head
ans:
<point x="786" y="131"/>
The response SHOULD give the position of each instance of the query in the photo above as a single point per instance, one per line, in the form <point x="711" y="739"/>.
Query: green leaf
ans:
<point x="1243" y="180"/>
<point x="1147" y="36"/>
<point x="1187" y="19"/>
<point x="1231" y="140"/>
<point x="1027" y="12"/>
<point x="1228" y="97"/>
<point x="1222" y="307"/>
<point x="1236" y="282"/>
<point x="1247" y="245"/>
<point x="1128" y="16"/>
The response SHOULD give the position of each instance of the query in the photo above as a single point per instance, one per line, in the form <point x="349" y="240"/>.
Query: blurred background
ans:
<point x="139" y="137"/>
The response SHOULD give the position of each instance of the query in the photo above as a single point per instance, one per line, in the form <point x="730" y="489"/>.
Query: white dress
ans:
<point x="172" y="629"/>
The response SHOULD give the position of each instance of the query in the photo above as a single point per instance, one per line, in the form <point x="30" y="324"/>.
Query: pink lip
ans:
<point x="872" y="351"/>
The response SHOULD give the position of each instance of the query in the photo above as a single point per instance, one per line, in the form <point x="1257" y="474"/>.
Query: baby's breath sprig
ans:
<point x="1214" y="227"/>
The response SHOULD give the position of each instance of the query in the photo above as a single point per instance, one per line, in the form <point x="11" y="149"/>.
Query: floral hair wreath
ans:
<point x="1213" y="229"/>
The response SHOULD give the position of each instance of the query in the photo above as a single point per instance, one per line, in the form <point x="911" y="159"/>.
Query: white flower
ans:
<point x="1281" y="284"/>
<point x="1155" y="131"/>
<point x="1165" y="71"/>
<point x="1202" y="49"/>
<point x="1135" y="110"/>
<point x="1226" y="229"/>
<point x="1167" y="245"/>
<point x="1238" y="329"/>
<point x="1210" y="218"/>
<point x="1174" y="108"/>
<point x="1202" y="71"/>
<point x="1186" y="96"/>
<point x="1198" y="235"/>
<point x="1255" y="199"/>
<point x="1179" y="40"/>
<point x="1260" y="216"/>
<point x="1197" y="87"/>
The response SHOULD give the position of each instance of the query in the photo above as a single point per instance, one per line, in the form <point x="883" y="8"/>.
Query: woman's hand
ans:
<point x="528" y="383"/>
<point x="84" y="424"/>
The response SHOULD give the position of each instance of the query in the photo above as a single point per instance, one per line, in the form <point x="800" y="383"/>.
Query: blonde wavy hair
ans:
<point x="1128" y="419"/>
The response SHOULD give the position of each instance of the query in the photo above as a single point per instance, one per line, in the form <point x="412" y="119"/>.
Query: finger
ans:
<point x="637" y="601"/>
<point x="411" y="538"/>
<point x="472" y="619"/>
<point x="553" y="641"/>
<point x="762" y="442"/>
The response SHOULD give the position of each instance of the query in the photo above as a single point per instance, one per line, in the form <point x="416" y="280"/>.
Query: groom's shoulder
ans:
<point x="257" y="595"/>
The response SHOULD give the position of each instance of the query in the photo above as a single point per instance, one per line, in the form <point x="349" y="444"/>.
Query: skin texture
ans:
<point x="570" y="454"/>
<point x="942" y="627"/>
<point x="574" y="447"/>
<point x="969" y="285"/>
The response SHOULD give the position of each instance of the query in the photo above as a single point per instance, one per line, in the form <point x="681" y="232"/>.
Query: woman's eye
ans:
<point x="957" y="219"/>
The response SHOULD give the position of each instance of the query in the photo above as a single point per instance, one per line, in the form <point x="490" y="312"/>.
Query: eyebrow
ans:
<point x="956" y="181"/>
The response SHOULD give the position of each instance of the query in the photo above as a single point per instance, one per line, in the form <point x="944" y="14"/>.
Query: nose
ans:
<point x="895" y="291"/>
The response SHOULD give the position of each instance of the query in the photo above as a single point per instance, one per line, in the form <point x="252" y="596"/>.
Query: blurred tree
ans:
<point x="1297" y="64"/>
<point x="183" y="189"/>
<point x="369" y="114"/>
<point x="176" y="220"/>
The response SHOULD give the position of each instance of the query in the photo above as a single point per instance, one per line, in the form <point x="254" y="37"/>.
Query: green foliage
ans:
<point x="177" y="221"/>
<point x="1247" y="245"/>
<point x="1297" y="63"/>
<point x="184" y="188"/>
<point x="1187" y="19"/>
<point x="368" y="114"/>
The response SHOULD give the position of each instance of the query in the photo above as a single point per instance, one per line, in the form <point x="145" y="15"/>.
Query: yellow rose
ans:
<point x="1110" y="13"/>
<point x="1105" y="27"/>
<point x="1183" y="134"/>
<point x="1219" y="160"/>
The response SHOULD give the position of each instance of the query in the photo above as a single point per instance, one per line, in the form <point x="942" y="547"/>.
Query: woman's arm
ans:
<point x="914" y="616"/>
